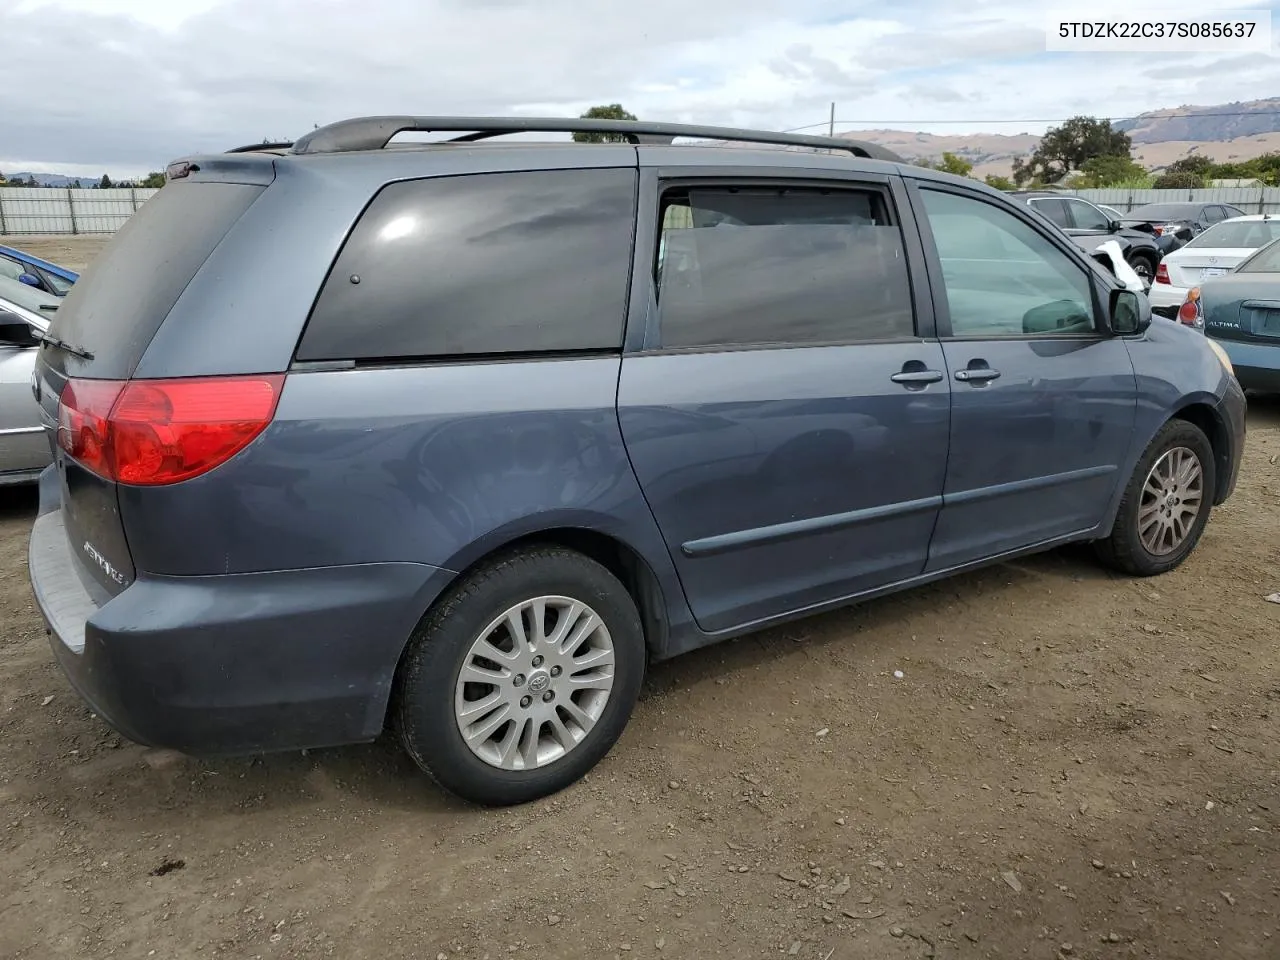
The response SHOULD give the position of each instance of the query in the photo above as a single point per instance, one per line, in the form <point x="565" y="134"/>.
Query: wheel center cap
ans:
<point x="539" y="681"/>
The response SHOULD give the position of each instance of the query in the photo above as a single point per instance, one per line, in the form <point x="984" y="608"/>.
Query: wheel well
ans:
<point x="1204" y="417"/>
<point x="612" y="554"/>
<point x="620" y="560"/>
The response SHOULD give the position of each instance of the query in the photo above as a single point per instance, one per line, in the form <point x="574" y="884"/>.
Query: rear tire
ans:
<point x="1145" y="267"/>
<point x="1166" y="503"/>
<point x="554" y="655"/>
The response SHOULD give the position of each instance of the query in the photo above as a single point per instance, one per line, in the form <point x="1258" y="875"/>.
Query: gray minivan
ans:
<point x="456" y="437"/>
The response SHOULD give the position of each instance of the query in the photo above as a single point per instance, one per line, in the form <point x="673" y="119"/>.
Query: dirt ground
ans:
<point x="1072" y="765"/>
<point x="73" y="252"/>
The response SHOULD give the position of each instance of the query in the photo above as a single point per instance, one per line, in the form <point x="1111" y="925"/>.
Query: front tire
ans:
<point x="522" y="677"/>
<point x="1166" y="503"/>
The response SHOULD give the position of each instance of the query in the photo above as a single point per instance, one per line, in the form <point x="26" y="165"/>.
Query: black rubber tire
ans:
<point x="1145" y="262"/>
<point x="426" y="683"/>
<point x="1124" y="549"/>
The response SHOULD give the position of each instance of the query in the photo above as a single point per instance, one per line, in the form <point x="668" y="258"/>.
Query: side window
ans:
<point x="1054" y="209"/>
<point x="495" y="263"/>
<point x="780" y="265"/>
<point x="1031" y="288"/>
<point x="1214" y="214"/>
<point x="1087" y="216"/>
<point x="11" y="268"/>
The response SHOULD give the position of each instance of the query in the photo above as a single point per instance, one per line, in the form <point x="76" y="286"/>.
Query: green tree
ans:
<point x="1197" y="165"/>
<point x="105" y="183"/>
<point x="998" y="182"/>
<point x="1065" y="149"/>
<point x="1178" y="180"/>
<point x="611" y="111"/>
<point x="153" y="181"/>
<point x="951" y="163"/>
<point x="1108" y="171"/>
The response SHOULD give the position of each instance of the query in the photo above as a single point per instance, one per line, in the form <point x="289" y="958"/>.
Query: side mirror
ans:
<point x="1116" y="225"/>
<point x="30" y="279"/>
<point x="1130" y="313"/>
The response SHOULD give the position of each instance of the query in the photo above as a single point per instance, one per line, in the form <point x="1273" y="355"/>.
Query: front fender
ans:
<point x="1177" y="374"/>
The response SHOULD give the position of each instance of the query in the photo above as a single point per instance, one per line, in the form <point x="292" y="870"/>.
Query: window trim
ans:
<point x="643" y="337"/>
<point x="1054" y="236"/>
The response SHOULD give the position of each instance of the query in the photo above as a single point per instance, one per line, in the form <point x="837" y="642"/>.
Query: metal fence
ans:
<point x="59" y="210"/>
<point x="49" y="210"/>
<point x="1248" y="199"/>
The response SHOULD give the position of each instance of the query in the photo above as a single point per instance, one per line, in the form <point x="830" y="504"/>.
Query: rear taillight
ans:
<point x="1162" y="274"/>
<point x="153" y="432"/>
<point x="1189" y="313"/>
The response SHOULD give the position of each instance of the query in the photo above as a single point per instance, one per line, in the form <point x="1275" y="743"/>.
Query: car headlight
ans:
<point x="1222" y="355"/>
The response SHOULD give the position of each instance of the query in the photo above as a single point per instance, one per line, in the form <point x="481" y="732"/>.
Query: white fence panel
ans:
<point x="69" y="210"/>
<point x="1248" y="199"/>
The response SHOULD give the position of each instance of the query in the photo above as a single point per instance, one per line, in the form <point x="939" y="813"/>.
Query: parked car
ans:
<point x="1211" y="254"/>
<point x="24" y="315"/>
<point x="427" y="436"/>
<point x="36" y="272"/>
<point x="1241" y="311"/>
<point x="1167" y="218"/>
<point x="1089" y="226"/>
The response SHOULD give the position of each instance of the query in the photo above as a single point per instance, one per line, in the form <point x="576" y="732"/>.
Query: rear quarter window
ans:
<point x="486" y="264"/>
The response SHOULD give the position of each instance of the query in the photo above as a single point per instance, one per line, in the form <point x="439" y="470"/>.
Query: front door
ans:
<point x="786" y="418"/>
<point x="1043" y="400"/>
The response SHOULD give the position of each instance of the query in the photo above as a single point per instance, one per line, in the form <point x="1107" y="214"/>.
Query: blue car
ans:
<point x="1240" y="310"/>
<point x="457" y="438"/>
<point x="34" y="272"/>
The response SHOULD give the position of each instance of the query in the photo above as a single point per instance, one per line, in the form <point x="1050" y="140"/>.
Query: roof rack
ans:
<point x="256" y="147"/>
<point x="374" y="133"/>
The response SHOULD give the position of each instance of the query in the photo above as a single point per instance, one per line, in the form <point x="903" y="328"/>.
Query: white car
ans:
<point x="1209" y="254"/>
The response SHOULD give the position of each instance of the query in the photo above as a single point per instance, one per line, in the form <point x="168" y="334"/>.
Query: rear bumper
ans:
<point x="236" y="664"/>
<point x="1166" y="298"/>
<point x="1257" y="365"/>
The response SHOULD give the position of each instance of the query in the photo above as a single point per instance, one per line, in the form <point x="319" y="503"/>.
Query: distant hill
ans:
<point x="1228" y="131"/>
<point x="1196" y="124"/>
<point x="50" y="179"/>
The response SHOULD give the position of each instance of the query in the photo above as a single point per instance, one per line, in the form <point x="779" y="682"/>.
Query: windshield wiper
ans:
<point x="75" y="351"/>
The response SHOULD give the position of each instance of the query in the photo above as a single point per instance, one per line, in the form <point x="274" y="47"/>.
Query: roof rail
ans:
<point x="255" y="147"/>
<point x="374" y="133"/>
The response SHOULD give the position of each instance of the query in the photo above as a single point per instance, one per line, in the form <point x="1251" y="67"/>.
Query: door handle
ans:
<point x="979" y="376"/>
<point x="917" y="376"/>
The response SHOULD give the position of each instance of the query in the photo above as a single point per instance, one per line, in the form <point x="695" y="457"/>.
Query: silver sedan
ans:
<point x="24" y="315"/>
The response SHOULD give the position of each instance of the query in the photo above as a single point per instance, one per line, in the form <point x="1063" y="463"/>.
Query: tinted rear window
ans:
<point x="1163" y="211"/>
<point x="118" y="304"/>
<point x="494" y="263"/>
<point x="1238" y="234"/>
<point x="1266" y="260"/>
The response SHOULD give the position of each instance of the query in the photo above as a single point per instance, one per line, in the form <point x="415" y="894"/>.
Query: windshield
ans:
<point x="1238" y="234"/>
<point x="29" y="298"/>
<point x="1266" y="260"/>
<point x="1161" y="211"/>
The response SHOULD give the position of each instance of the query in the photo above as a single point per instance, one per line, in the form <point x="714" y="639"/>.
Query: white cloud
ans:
<point x="126" y="85"/>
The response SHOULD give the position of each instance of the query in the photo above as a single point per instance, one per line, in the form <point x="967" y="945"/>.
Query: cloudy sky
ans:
<point x="122" y="86"/>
